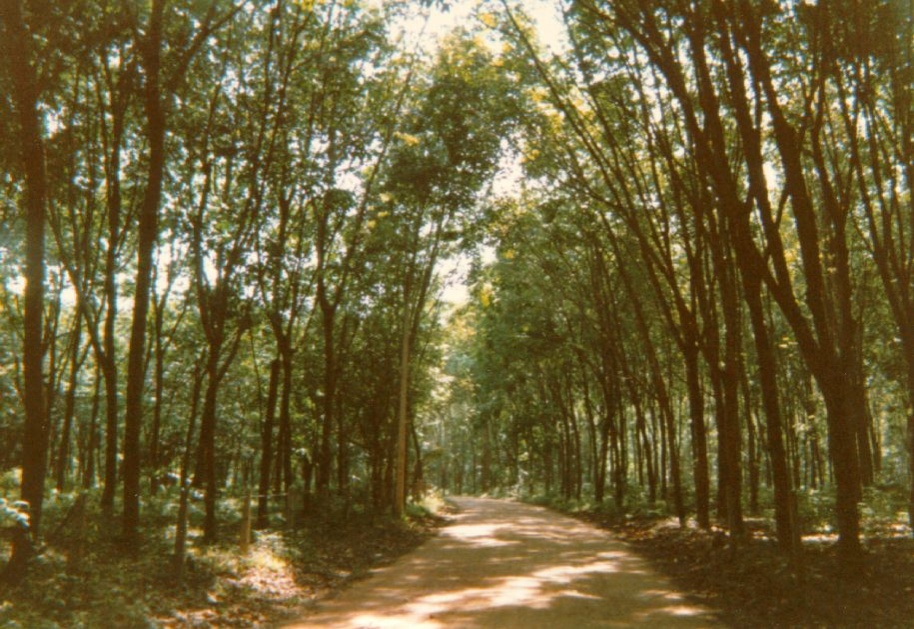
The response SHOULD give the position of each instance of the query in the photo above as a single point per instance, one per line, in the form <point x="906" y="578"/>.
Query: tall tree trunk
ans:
<point x="147" y="234"/>
<point x="31" y="150"/>
<point x="730" y="379"/>
<point x="108" y="357"/>
<point x="827" y="341"/>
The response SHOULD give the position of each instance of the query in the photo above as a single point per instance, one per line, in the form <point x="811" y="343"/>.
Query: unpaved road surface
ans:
<point x="504" y="564"/>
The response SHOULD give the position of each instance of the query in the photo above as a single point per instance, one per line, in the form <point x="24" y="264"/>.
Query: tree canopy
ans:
<point x="688" y="225"/>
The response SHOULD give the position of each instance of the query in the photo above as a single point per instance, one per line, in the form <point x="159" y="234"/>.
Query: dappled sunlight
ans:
<point x="478" y="534"/>
<point x="511" y="565"/>
<point x="567" y="574"/>
<point x="820" y="538"/>
<point x="678" y="610"/>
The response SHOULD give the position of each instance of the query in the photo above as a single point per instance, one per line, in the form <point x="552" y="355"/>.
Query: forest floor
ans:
<point x="758" y="587"/>
<point x="102" y="582"/>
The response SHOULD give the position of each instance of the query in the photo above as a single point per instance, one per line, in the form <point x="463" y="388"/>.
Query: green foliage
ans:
<point x="816" y="510"/>
<point x="417" y="510"/>
<point x="88" y="578"/>
<point x="884" y="511"/>
<point x="317" y="176"/>
<point x="14" y="513"/>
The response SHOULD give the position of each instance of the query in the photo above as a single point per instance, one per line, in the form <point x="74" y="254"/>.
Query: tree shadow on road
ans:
<point x="510" y="565"/>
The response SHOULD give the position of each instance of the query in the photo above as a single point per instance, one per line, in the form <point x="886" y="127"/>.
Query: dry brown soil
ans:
<point x="505" y="564"/>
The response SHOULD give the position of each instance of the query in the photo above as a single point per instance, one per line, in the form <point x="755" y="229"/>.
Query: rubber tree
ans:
<point x="445" y="153"/>
<point x="163" y="71"/>
<point x="20" y="64"/>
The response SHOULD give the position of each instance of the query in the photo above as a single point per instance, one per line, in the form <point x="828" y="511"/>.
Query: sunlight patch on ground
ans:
<point x="679" y="610"/>
<point x="567" y="574"/>
<point x="270" y="578"/>
<point x="677" y="605"/>
<point x="482" y="535"/>
<point x="532" y="592"/>
<point x="821" y="538"/>
<point x="537" y="591"/>
<point x="508" y="569"/>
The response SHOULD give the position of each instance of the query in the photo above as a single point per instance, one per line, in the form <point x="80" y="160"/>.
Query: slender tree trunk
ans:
<point x="417" y="486"/>
<point x="266" y="447"/>
<point x="91" y="441"/>
<point x="647" y="447"/>
<point x="575" y="434"/>
<point x="730" y="378"/>
<point x="77" y="358"/>
<point x="31" y="147"/>
<point x="208" y="443"/>
<point x="700" y="464"/>
<point x="622" y="472"/>
<point x="111" y="426"/>
<point x="402" y="412"/>
<point x="825" y="343"/>
<point x="342" y="455"/>
<point x="325" y="458"/>
<point x="147" y="235"/>
<point x="673" y="458"/>
<point x="751" y="450"/>
<point x="597" y="475"/>
<point x="108" y="358"/>
<point x="285" y="417"/>
<point x="910" y="444"/>
<point x="184" y="488"/>
<point x="617" y="447"/>
<point x="159" y="384"/>
<point x="785" y="517"/>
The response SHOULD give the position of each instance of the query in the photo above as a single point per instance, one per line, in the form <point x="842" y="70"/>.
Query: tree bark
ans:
<point x="32" y="156"/>
<point x="77" y="358"/>
<point x="266" y="447"/>
<point x="402" y="414"/>
<point x="146" y="239"/>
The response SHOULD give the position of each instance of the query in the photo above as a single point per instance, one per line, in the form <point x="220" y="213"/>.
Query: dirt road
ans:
<point x="503" y="564"/>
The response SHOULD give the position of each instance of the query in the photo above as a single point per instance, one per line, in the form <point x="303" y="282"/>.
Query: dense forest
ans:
<point x="230" y="230"/>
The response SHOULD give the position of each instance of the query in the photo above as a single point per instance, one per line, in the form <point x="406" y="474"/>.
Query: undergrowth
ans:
<point x="86" y="576"/>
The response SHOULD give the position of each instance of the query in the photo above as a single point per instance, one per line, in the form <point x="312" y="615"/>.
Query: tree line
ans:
<point x="702" y="295"/>
<point x="222" y="223"/>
